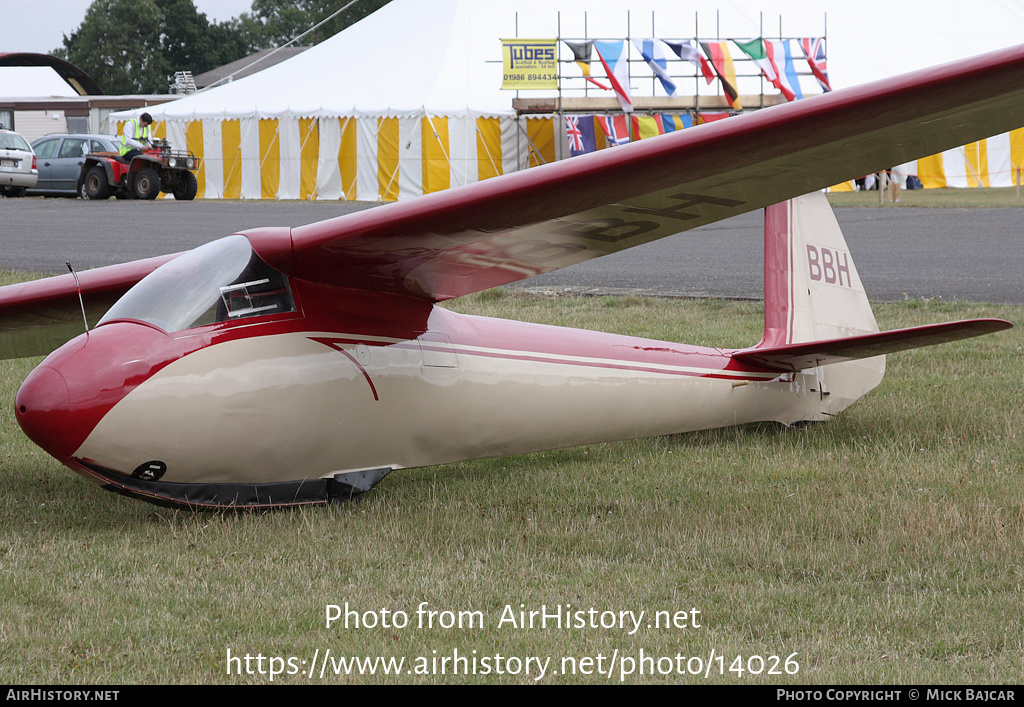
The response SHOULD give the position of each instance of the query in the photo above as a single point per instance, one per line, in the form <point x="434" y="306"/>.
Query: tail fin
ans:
<point x="812" y="292"/>
<point x="811" y="287"/>
<point x="817" y="318"/>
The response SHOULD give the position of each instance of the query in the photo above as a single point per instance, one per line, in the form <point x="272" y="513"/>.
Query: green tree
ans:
<point x="118" y="44"/>
<point x="133" y="46"/>
<point x="190" y="42"/>
<point x="272" y="23"/>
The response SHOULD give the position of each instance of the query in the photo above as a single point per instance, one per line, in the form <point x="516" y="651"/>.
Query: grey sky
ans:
<point x="866" y="40"/>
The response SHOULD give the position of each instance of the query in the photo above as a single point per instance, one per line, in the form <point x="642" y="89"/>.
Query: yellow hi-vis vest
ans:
<point x="138" y="133"/>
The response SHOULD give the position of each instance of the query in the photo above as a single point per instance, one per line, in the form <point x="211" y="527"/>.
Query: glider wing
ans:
<point x="38" y="316"/>
<point x="497" y="231"/>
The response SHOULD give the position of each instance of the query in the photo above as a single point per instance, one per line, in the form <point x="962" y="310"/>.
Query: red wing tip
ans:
<point x="996" y="324"/>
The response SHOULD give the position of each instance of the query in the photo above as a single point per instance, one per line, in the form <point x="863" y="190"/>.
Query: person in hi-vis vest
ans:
<point x="135" y="136"/>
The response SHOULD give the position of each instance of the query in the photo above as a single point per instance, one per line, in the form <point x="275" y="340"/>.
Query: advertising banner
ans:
<point x="529" y="64"/>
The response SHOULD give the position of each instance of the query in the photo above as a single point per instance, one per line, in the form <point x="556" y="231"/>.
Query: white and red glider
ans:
<point x="285" y="366"/>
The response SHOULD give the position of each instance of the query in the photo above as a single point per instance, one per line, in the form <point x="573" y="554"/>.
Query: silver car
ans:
<point x="60" y="159"/>
<point x="17" y="164"/>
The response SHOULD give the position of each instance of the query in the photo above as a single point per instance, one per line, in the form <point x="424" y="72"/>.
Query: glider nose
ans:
<point x="63" y="400"/>
<point x="43" y="408"/>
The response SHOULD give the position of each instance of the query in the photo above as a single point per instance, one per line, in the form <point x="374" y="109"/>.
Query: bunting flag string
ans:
<point x="582" y="133"/>
<point x="773" y="57"/>
<point x="645" y="126"/>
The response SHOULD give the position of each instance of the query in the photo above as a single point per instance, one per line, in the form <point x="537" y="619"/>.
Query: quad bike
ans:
<point x="158" y="169"/>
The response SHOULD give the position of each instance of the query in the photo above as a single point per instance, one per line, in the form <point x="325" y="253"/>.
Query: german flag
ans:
<point x="721" y="59"/>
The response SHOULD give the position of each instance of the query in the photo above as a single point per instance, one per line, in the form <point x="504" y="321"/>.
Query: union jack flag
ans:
<point x="572" y="131"/>
<point x="814" y="52"/>
<point x="579" y="129"/>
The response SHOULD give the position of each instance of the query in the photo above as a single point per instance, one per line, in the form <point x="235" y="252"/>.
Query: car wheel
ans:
<point x="186" y="187"/>
<point x="95" y="185"/>
<point x="147" y="184"/>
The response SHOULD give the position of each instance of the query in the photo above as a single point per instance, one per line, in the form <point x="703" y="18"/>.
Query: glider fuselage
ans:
<point x="355" y="380"/>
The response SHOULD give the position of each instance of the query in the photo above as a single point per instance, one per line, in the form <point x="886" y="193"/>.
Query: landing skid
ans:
<point x="338" y="489"/>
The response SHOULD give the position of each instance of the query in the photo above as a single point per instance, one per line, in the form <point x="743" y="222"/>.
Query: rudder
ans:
<point x="813" y="292"/>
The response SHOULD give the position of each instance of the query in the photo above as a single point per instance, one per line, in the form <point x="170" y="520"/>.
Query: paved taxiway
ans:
<point x="954" y="254"/>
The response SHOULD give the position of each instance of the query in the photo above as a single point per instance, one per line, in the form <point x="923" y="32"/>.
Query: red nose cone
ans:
<point x="42" y="409"/>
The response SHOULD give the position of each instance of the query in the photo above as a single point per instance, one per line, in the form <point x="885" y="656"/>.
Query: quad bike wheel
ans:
<point x="186" y="187"/>
<point x="146" y="184"/>
<point x="95" y="184"/>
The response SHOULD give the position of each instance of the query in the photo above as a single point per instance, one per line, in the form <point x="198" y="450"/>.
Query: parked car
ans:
<point x="60" y="159"/>
<point x="17" y="164"/>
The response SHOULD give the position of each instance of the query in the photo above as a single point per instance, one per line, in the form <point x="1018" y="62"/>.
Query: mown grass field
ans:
<point x="886" y="546"/>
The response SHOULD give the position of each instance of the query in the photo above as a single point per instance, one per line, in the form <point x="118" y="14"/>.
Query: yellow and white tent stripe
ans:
<point x="336" y="159"/>
<point x="993" y="162"/>
<point x="386" y="158"/>
<point x="987" y="163"/>
<point x="365" y="158"/>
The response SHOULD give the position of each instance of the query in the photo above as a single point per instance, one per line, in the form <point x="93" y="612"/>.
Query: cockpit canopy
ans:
<point x="217" y="282"/>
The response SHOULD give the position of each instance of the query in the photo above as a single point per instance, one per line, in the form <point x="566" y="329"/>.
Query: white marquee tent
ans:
<point x="408" y="100"/>
<point x="399" y="104"/>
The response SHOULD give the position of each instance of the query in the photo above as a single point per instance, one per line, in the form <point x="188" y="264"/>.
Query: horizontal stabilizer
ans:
<point x="798" y="357"/>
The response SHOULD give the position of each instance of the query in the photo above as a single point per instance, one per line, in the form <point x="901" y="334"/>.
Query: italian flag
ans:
<point x="755" y="50"/>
